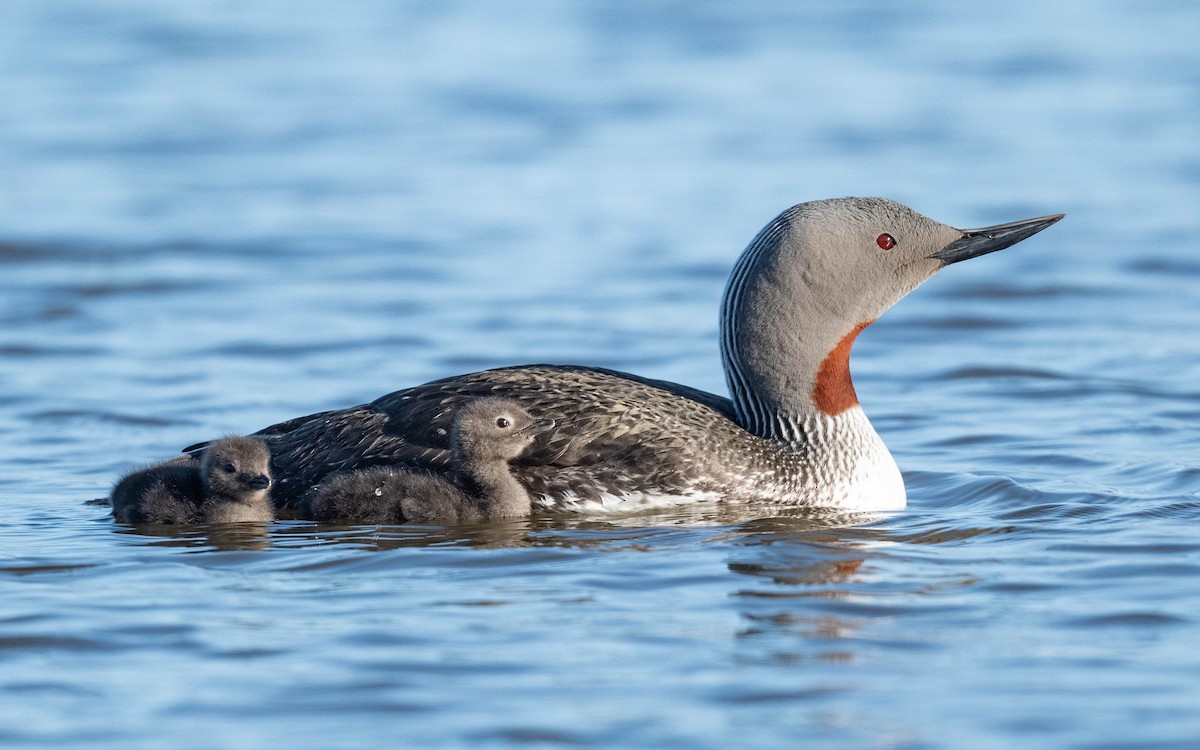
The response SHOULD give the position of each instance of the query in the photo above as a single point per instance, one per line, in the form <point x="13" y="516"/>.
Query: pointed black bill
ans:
<point x="260" y="482"/>
<point x="976" y="242"/>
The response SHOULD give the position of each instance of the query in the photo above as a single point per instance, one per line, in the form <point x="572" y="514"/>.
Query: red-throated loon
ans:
<point x="792" y="433"/>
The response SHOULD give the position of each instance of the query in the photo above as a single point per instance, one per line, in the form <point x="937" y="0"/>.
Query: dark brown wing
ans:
<point x="612" y="431"/>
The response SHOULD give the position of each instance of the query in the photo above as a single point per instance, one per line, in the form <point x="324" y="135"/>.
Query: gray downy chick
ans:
<point x="487" y="433"/>
<point x="230" y="485"/>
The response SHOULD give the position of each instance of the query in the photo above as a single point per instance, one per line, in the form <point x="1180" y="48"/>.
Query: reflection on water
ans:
<point x="220" y="537"/>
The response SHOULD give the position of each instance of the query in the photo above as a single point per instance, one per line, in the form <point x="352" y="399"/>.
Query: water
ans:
<point x="215" y="216"/>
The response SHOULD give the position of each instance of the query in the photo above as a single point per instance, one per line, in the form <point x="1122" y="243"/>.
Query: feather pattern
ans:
<point x="612" y="427"/>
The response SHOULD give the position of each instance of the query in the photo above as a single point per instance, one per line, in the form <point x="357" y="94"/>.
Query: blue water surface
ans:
<point x="218" y="215"/>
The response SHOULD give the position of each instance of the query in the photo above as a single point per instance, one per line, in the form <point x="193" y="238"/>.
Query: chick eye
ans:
<point x="503" y="423"/>
<point x="230" y="468"/>
<point x="885" y="241"/>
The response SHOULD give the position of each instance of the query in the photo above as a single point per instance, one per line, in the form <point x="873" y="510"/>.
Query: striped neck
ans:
<point x="754" y="411"/>
<point x="786" y="355"/>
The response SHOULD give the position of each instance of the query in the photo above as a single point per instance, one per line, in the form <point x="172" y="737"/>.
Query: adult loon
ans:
<point x="792" y="433"/>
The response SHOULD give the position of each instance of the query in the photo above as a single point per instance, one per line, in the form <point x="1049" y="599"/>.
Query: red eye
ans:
<point x="885" y="241"/>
